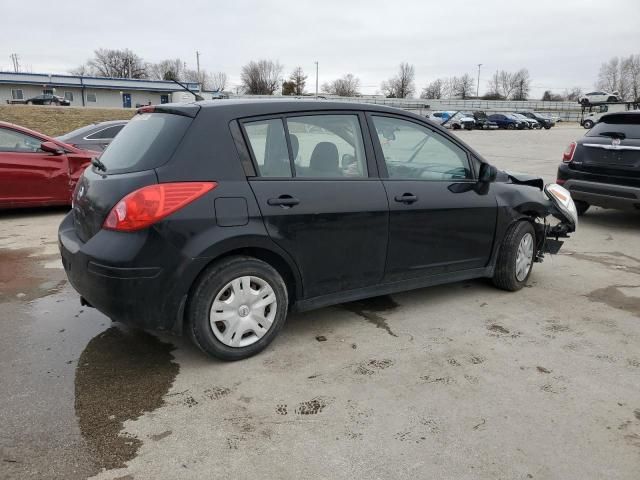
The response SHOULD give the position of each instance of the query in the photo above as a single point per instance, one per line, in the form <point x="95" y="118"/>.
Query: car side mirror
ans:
<point x="51" y="147"/>
<point x="488" y="173"/>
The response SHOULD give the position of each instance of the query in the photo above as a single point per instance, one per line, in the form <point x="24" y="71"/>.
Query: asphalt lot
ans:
<point x="453" y="382"/>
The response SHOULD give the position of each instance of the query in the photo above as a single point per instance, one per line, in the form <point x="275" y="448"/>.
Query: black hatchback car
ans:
<point x="217" y="218"/>
<point x="603" y="167"/>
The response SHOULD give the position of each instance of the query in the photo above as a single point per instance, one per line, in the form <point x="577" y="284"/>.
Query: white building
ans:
<point x="92" y="91"/>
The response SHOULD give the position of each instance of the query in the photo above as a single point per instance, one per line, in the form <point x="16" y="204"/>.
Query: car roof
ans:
<point x="26" y="130"/>
<point x="250" y="107"/>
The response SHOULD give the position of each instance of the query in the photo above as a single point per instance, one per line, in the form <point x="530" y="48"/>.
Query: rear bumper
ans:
<point x="604" y="194"/>
<point x="137" y="279"/>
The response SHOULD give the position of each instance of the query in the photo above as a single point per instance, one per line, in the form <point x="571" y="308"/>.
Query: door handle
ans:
<point x="406" y="198"/>
<point x="283" y="201"/>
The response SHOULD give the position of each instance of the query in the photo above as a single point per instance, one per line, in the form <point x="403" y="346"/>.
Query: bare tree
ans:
<point x="609" y="75"/>
<point x="117" y="63"/>
<point x="298" y="80"/>
<point x="261" y="77"/>
<point x="521" y="84"/>
<point x="347" y="86"/>
<point x="170" y="69"/>
<point x="81" y="70"/>
<point x="462" y="87"/>
<point x="573" y="95"/>
<point x="494" y="90"/>
<point x="631" y="67"/>
<point x="402" y="85"/>
<point x="217" y="81"/>
<point x="549" y="96"/>
<point x="433" y="90"/>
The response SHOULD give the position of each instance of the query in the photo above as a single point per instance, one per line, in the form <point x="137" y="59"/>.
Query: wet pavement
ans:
<point x="457" y="381"/>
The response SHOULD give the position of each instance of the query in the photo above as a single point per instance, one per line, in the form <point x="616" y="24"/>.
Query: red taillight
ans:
<point x="567" y="156"/>
<point x="150" y="204"/>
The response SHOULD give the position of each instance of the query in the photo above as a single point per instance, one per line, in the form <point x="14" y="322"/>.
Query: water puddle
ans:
<point x="121" y="374"/>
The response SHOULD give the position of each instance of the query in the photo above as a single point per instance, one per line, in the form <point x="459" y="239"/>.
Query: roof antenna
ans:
<point x="199" y="98"/>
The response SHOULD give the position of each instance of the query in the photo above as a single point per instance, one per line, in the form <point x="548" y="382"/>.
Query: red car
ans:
<point x="36" y="170"/>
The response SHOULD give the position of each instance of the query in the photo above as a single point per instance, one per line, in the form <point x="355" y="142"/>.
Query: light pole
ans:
<point x="316" y="80"/>
<point x="478" y="87"/>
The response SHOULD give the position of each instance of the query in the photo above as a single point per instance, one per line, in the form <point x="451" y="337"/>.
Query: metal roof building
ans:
<point x="92" y="91"/>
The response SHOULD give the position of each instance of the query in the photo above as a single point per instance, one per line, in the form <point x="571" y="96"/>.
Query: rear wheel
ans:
<point x="516" y="256"/>
<point x="581" y="207"/>
<point x="511" y="126"/>
<point x="237" y="308"/>
<point x="588" y="124"/>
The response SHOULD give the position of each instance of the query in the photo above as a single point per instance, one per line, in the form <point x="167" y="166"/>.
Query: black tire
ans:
<point x="209" y="284"/>
<point x="504" y="276"/>
<point x="612" y="99"/>
<point x="581" y="207"/>
<point x="510" y="126"/>
<point x="547" y="127"/>
<point x="584" y="102"/>
<point x="588" y="124"/>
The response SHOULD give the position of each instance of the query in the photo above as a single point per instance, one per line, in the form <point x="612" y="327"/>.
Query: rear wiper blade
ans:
<point x="95" y="161"/>
<point x="618" y="135"/>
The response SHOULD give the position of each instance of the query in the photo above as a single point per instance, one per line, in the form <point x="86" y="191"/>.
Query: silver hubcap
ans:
<point x="524" y="258"/>
<point x="243" y="311"/>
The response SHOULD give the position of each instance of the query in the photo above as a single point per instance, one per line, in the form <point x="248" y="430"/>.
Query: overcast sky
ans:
<point x="561" y="42"/>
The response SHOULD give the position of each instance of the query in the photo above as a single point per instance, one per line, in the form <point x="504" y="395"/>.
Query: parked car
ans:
<point x="531" y="122"/>
<point x="543" y="121"/>
<point x="217" y="218"/>
<point x="37" y="170"/>
<point x="507" y="121"/>
<point x="599" y="97"/>
<point x="95" y="136"/>
<point x="483" y="122"/>
<point x="440" y="117"/>
<point x="48" y="99"/>
<point x="464" y="121"/>
<point x="603" y="167"/>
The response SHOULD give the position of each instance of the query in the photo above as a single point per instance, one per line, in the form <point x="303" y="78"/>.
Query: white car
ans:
<point x="599" y="97"/>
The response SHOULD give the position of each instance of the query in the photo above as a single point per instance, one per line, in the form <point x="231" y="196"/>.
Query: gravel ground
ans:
<point x="459" y="381"/>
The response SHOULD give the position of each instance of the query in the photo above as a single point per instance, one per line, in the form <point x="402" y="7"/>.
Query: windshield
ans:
<point x="148" y="141"/>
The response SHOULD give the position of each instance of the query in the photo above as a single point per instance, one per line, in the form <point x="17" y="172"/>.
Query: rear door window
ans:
<point x="269" y="147"/>
<point x="328" y="146"/>
<point x="148" y="141"/>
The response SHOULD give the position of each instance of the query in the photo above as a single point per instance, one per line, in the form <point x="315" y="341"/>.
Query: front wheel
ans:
<point x="515" y="259"/>
<point x="588" y="124"/>
<point x="511" y="126"/>
<point x="237" y="308"/>
<point x="612" y="99"/>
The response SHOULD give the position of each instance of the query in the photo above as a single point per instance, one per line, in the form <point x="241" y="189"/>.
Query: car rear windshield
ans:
<point x="628" y="125"/>
<point x="147" y="142"/>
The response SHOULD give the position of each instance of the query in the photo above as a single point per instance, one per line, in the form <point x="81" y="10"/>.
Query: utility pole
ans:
<point x="16" y="62"/>
<point x="316" y="80"/>
<point x="478" y="88"/>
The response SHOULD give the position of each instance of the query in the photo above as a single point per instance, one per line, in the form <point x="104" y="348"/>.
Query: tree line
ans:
<point x="265" y="77"/>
